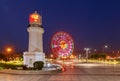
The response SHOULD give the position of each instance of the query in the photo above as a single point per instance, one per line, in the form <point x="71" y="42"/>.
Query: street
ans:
<point x="74" y="72"/>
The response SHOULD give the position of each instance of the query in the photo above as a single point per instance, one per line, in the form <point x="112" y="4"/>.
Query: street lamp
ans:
<point x="105" y="47"/>
<point x="87" y="51"/>
<point x="8" y="52"/>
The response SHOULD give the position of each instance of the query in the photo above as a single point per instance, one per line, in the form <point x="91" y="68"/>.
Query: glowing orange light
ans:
<point x="63" y="69"/>
<point x="108" y="57"/>
<point x="8" y="49"/>
<point x="51" y="55"/>
<point x="72" y="56"/>
<point x="34" y="18"/>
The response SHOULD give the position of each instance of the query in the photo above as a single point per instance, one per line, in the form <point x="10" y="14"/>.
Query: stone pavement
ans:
<point x="82" y="72"/>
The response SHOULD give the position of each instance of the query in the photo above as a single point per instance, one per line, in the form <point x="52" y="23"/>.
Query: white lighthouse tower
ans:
<point x="35" y="48"/>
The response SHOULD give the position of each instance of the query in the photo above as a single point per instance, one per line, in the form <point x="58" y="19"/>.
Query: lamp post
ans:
<point x="117" y="54"/>
<point x="87" y="51"/>
<point x="105" y="46"/>
<point x="8" y="51"/>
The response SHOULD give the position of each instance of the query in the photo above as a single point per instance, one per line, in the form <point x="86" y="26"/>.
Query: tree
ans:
<point x="98" y="56"/>
<point x="2" y="57"/>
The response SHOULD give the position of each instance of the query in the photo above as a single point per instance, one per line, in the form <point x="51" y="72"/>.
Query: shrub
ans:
<point x="38" y="65"/>
<point x="97" y="56"/>
<point x="9" y="66"/>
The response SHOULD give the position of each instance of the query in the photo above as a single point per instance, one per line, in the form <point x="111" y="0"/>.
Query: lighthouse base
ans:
<point x="30" y="57"/>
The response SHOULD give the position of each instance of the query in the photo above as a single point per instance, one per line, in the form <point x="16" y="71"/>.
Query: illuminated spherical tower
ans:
<point x="35" y="47"/>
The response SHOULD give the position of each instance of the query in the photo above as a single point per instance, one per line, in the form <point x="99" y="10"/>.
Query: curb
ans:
<point x="28" y="72"/>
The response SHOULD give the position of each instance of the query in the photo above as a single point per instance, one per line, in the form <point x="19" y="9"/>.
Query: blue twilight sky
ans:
<point x="91" y="23"/>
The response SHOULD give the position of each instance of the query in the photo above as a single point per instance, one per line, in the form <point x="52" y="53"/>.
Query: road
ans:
<point x="74" y="72"/>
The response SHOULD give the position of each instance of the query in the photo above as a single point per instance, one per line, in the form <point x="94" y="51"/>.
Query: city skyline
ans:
<point x="91" y="24"/>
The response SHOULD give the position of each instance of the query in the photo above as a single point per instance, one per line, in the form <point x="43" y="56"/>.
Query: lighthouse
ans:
<point x="35" y="46"/>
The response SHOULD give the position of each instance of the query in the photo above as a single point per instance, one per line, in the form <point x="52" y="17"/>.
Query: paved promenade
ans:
<point x="74" y="72"/>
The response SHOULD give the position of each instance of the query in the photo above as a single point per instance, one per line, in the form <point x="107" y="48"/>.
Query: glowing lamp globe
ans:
<point x="35" y="18"/>
<point x="8" y="49"/>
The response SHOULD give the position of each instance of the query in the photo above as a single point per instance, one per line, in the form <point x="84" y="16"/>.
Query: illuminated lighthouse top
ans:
<point x="35" y="18"/>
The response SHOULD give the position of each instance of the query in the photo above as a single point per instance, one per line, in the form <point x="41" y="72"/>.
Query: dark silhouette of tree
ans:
<point x="98" y="56"/>
<point x="2" y="57"/>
